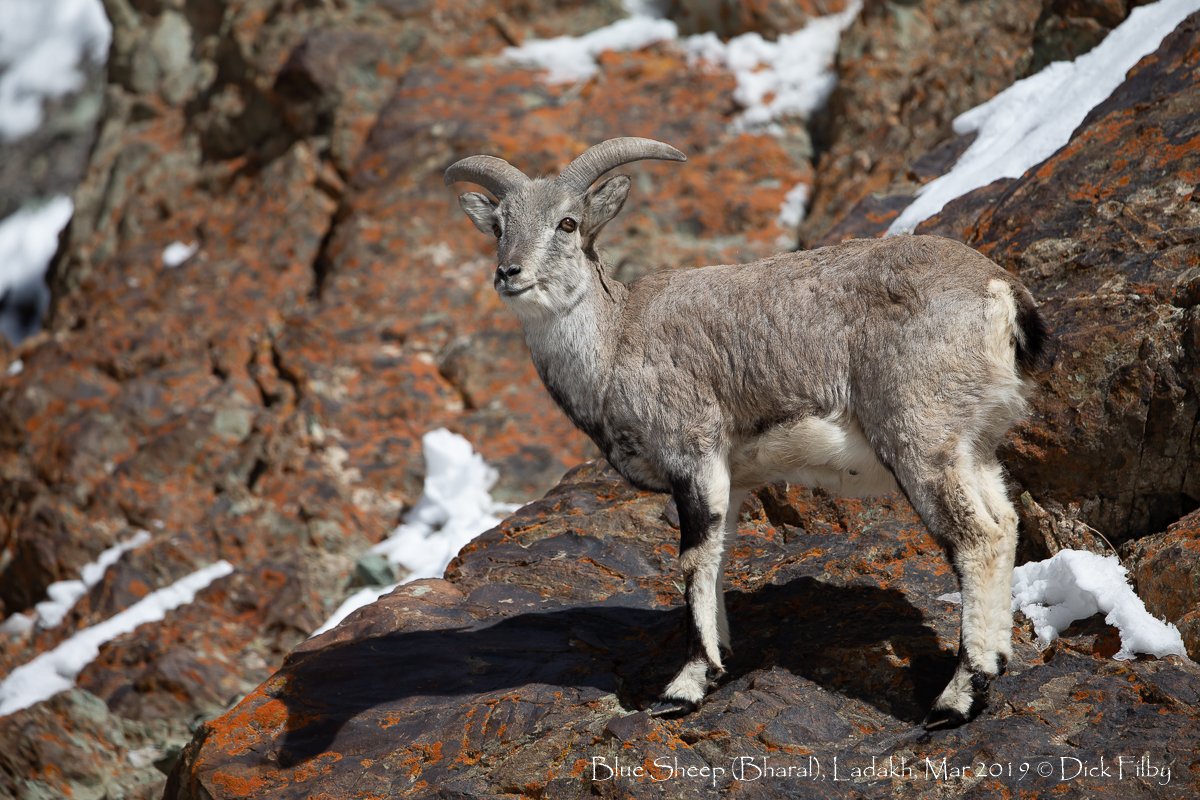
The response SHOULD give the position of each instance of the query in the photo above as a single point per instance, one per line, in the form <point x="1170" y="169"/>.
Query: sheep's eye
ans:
<point x="496" y="230"/>
<point x="567" y="224"/>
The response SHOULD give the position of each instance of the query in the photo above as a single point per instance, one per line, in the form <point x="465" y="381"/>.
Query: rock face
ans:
<point x="1067" y="29"/>
<point x="1165" y="569"/>
<point x="263" y="402"/>
<point x="729" y="18"/>
<point x="522" y="673"/>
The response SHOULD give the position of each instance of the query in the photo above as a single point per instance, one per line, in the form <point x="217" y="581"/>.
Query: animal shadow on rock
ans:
<point x="825" y="633"/>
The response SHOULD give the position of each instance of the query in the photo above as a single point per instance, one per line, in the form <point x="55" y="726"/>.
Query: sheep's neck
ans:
<point x="573" y="351"/>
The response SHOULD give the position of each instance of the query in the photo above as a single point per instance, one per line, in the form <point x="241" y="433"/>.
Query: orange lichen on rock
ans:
<point x="236" y="732"/>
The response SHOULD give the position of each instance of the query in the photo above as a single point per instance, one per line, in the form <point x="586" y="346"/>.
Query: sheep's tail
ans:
<point x="1031" y="333"/>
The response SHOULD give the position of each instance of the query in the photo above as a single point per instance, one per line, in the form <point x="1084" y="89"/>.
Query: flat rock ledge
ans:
<point x="524" y="673"/>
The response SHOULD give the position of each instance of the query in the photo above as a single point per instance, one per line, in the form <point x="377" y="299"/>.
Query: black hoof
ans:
<point x="944" y="718"/>
<point x="672" y="708"/>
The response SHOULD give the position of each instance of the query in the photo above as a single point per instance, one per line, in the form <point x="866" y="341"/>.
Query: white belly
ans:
<point x="832" y="454"/>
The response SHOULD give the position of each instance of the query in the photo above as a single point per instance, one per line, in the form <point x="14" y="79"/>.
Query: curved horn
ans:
<point x="494" y="174"/>
<point x="600" y="158"/>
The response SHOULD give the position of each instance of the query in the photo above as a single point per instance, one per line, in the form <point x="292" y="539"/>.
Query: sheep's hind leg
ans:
<point x="971" y="513"/>
<point x="703" y="507"/>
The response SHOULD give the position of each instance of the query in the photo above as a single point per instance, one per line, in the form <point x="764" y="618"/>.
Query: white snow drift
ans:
<point x="28" y="240"/>
<point x="790" y="77"/>
<point x="55" y="670"/>
<point x="1074" y="585"/>
<point x="567" y="59"/>
<point x="455" y="507"/>
<point x="176" y="253"/>
<point x="42" y="45"/>
<point x="62" y="595"/>
<point x="1029" y="121"/>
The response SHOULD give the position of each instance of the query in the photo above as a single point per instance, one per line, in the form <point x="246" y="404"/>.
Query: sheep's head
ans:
<point x="546" y="228"/>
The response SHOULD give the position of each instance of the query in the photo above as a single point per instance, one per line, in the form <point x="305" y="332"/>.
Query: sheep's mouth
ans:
<point x="514" y="291"/>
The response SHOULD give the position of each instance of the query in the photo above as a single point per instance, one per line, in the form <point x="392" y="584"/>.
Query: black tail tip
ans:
<point x="1034" y="334"/>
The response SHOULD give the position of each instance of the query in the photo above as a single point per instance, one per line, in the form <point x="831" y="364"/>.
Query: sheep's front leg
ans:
<point x="703" y="505"/>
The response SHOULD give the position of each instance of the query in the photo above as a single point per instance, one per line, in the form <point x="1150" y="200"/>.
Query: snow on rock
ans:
<point x="1075" y="584"/>
<point x="791" y="213"/>
<point x="455" y="507"/>
<point x="62" y="595"/>
<point x="17" y="624"/>
<point x="790" y="77"/>
<point x="176" y="253"/>
<point x="28" y="240"/>
<point x="1033" y="118"/>
<point x="42" y="44"/>
<point x="55" y="670"/>
<point x="567" y="59"/>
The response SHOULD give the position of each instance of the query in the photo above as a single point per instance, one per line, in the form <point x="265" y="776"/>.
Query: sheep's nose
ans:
<point x="512" y="270"/>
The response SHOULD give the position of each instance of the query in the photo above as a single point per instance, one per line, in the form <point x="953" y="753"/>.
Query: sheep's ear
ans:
<point x="602" y="203"/>
<point x="481" y="210"/>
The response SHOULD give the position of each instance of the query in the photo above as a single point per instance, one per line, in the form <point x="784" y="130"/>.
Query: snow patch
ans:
<point x="455" y="507"/>
<point x="15" y="368"/>
<point x="1075" y="584"/>
<point x="55" y="670"/>
<point x="791" y="214"/>
<point x="145" y="756"/>
<point x="174" y="254"/>
<point x="786" y="79"/>
<point x="63" y="595"/>
<point x="29" y="239"/>
<point x="568" y="59"/>
<point x="1029" y="121"/>
<point x="790" y="77"/>
<point x="42" y="45"/>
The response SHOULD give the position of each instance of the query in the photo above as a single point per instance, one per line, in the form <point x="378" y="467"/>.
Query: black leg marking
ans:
<point x="701" y="529"/>
<point x="697" y="520"/>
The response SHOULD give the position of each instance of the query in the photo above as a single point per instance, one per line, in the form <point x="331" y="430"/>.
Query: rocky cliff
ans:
<point x="263" y="403"/>
<point x="522" y="672"/>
